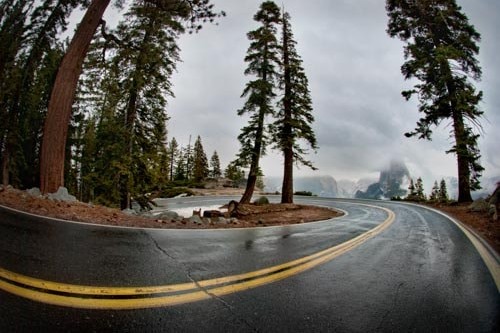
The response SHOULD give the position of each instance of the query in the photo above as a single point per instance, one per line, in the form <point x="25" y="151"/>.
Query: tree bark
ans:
<point x="287" y="188"/>
<point x="247" y="196"/>
<point x="287" y="140"/>
<point x="5" y="167"/>
<point x="464" y="194"/>
<point x="460" y="135"/>
<point x="61" y="100"/>
<point x="254" y="167"/>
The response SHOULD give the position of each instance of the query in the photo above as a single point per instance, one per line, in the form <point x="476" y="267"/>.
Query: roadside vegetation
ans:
<point x="91" y="113"/>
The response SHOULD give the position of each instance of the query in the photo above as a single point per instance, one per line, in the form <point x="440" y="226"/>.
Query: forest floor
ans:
<point x="249" y="215"/>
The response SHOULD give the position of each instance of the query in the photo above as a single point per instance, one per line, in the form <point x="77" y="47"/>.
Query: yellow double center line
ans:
<point x="156" y="296"/>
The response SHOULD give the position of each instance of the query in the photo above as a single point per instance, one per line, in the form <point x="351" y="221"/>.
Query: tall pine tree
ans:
<point x="419" y="190"/>
<point x="144" y="66"/>
<point x="435" y="192"/>
<point x="263" y="64"/>
<point x="37" y="61"/>
<point x="441" y="48"/>
<point x="181" y="13"/>
<point x="294" y="118"/>
<point x="200" y="161"/>
<point x="215" y="171"/>
<point x="173" y="152"/>
<point x="443" y="192"/>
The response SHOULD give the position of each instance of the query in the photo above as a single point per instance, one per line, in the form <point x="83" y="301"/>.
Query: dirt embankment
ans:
<point x="247" y="215"/>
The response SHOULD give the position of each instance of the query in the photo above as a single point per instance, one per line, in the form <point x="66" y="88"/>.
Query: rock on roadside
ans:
<point x="62" y="195"/>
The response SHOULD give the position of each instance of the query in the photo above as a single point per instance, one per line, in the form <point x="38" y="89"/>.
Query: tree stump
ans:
<point x="232" y="208"/>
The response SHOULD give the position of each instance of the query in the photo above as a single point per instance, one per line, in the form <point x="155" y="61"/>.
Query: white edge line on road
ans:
<point x="488" y="254"/>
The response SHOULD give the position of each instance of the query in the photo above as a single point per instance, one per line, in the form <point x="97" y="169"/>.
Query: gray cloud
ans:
<point x="354" y="73"/>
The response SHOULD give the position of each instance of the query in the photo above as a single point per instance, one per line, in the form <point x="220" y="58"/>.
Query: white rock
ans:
<point x="62" y="195"/>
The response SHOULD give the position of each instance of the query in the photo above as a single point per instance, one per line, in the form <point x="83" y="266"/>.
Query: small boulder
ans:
<point x="222" y="220"/>
<point x="195" y="219"/>
<point x="34" y="192"/>
<point x="480" y="206"/>
<point x="169" y="215"/>
<point x="62" y="195"/>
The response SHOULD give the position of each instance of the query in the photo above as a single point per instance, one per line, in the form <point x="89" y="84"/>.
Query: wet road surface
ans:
<point x="420" y="274"/>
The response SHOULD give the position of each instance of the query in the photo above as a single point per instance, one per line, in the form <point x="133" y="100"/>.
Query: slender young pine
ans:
<point x="263" y="62"/>
<point x="294" y="117"/>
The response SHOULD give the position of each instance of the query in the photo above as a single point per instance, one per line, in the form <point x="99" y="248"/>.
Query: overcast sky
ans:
<point x="353" y="68"/>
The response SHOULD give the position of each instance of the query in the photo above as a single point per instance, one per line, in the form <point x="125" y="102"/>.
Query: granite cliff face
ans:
<point x="393" y="182"/>
<point x="348" y="188"/>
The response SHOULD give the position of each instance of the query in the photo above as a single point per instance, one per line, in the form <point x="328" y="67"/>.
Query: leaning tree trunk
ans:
<point x="254" y="167"/>
<point x="251" y="181"/>
<point x="61" y="100"/>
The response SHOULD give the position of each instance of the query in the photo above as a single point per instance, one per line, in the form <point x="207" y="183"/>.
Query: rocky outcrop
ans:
<point x="393" y="182"/>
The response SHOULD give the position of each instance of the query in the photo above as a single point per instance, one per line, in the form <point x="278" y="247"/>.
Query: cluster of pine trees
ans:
<point x="278" y="90"/>
<point x="190" y="164"/>
<point x="115" y="145"/>
<point x="29" y="58"/>
<point x="416" y="192"/>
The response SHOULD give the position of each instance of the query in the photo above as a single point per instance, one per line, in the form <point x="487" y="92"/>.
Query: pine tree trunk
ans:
<point x="254" y="167"/>
<point x="59" y="112"/>
<point x="247" y="196"/>
<point x="464" y="194"/>
<point x="460" y="141"/>
<point x="5" y="167"/>
<point x="287" y="188"/>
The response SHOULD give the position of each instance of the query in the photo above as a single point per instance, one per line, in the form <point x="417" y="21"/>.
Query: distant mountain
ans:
<point x="348" y="188"/>
<point x="488" y="185"/>
<point x="392" y="182"/>
<point x="322" y="186"/>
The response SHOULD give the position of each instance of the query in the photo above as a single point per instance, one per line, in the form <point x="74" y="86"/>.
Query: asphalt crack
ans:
<point x="225" y="304"/>
<point x="187" y="272"/>
<point x="394" y="303"/>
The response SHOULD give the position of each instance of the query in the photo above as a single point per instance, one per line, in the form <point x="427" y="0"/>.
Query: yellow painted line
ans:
<point x="195" y="291"/>
<point x="90" y="290"/>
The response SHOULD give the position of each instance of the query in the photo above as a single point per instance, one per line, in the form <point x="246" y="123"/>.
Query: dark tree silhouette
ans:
<point x="441" y="48"/>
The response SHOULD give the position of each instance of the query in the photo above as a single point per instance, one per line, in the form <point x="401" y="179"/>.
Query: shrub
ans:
<point x="305" y="193"/>
<point x="261" y="201"/>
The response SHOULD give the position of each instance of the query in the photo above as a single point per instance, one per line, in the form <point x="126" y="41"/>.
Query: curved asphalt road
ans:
<point x="420" y="274"/>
